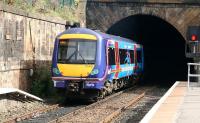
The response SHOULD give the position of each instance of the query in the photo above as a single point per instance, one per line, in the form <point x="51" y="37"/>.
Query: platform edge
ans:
<point x="153" y="110"/>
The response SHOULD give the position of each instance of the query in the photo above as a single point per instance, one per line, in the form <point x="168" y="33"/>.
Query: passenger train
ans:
<point x="91" y="64"/>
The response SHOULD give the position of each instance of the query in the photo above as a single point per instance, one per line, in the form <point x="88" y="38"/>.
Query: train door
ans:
<point x="135" y="58"/>
<point x="117" y="60"/>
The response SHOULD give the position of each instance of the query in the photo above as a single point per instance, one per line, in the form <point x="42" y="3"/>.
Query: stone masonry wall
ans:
<point x="147" y="1"/>
<point x="25" y="40"/>
<point x="102" y="14"/>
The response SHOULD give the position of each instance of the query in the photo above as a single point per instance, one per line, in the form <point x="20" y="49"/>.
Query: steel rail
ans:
<point x="120" y="110"/>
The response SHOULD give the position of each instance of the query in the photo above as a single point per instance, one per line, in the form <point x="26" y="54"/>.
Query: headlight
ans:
<point x="56" y="71"/>
<point x="94" y="72"/>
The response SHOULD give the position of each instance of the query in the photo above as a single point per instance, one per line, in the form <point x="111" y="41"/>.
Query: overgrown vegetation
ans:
<point x="42" y="84"/>
<point x="65" y="9"/>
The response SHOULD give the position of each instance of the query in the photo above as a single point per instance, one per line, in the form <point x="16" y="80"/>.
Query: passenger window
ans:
<point x="111" y="56"/>
<point x="122" y="54"/>
<point x="126" y="56"/>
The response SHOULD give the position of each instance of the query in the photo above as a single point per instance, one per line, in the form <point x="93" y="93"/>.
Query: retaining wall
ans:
<point x="26" y="41"/>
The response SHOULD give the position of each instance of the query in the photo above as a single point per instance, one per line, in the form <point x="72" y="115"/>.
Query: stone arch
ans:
<point x="101" y="14"/>
<point x="164" y="45"/>
<point x="179" y="16"/>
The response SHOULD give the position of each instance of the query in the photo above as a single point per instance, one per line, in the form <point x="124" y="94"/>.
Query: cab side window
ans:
<point x="111" y="56"/>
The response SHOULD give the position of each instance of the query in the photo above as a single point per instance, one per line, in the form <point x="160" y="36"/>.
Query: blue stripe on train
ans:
<point x="126" y="70"/>
<point x="125" y="45"/>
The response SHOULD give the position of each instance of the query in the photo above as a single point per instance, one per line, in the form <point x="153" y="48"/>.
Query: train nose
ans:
<point x="75" y="70"/>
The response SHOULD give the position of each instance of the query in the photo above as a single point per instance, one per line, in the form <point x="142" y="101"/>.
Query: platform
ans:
<point x="179" y="105"/>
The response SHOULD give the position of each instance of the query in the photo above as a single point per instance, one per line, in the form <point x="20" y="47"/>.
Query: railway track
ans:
<point x="61" y="111"/>
<point x="118" y="111"/>
<point x="30" y="114"/>
<point x="105" y="110"/>
<point x="53" y="112"/>
<point x="102" y="111"/>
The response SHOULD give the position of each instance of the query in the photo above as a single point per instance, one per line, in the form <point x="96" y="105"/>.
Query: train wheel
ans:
<point x="102" y="94"/>
<point x="109" y="87"/>
<point x="115" y="86"/>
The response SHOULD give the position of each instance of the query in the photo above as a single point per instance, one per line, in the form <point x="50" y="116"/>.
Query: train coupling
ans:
<point x="73" y="87"/>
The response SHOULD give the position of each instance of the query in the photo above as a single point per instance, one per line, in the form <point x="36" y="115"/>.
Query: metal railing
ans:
<point x="190" y="74"/>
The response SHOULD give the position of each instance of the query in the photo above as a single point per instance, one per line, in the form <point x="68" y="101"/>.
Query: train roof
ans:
<point x="98" y="34"/>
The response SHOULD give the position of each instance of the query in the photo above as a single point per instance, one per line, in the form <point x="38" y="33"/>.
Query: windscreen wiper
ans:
<point x="71" y="55"/>
<point x="82" y="57"/>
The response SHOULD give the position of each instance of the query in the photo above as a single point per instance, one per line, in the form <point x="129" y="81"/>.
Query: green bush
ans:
<point x="42" y="84"/>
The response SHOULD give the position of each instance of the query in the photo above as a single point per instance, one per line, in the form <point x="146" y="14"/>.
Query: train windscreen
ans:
<point x="77" y="51"/>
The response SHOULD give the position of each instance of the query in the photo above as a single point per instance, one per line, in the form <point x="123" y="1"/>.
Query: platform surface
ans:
<point x="179" y="105"/>
<point x="189" y="111"/>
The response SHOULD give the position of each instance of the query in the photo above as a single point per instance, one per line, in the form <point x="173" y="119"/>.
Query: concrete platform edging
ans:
<point x="154" y="109"/>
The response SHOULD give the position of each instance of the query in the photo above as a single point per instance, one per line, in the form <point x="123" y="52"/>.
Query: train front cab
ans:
<point x="79" y="64"/>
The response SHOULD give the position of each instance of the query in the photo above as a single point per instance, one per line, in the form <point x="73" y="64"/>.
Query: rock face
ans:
<point x="26" y="41"/>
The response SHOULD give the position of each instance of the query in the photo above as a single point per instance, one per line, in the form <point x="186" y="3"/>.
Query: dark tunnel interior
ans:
<point x="164" y="46"/>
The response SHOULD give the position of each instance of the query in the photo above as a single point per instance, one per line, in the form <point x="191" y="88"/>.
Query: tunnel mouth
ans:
<point x="164" y="46"/>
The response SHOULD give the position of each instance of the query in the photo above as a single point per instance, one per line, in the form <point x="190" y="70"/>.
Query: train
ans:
<point x="91" y="64"/>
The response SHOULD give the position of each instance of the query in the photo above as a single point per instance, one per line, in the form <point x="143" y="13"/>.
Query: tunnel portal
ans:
<point x="164" y="46"/>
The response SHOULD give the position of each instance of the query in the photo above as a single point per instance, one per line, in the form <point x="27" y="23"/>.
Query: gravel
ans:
<point x="135" y="113"/>
<point x="10" y="107"/>
<point x="48" y="116"/>
<point x="99" y="112"/>
<point x="14" y="105"/>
